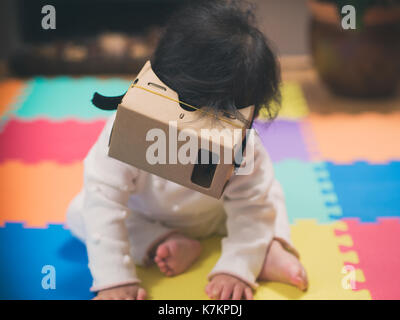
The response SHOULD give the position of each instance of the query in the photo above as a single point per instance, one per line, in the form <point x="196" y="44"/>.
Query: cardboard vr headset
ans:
<point x="155" y="132"/>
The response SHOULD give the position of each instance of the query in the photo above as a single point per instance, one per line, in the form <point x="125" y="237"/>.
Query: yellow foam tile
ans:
<point x="320" y="254"/>
<point x="294" y="105"/>
<point x="189" y="285"/>
<point x="324" y="262"/>
<point x="360" y="275"/>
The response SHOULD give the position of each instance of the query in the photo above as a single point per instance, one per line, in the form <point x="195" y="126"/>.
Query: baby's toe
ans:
<point x="142" y="295"/>
<point x="304" y="282"/>
<point x="161" y="263"/>
<point x="169" y="273"/>
<point x="162" y="252"/>
<point x="299" y="277"/>
<point x="163" y="268"/>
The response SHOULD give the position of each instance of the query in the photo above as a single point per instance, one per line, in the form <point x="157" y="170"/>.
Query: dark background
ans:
<point x="285" y="22"/>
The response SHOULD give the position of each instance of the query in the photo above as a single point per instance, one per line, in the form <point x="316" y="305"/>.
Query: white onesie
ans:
<point x="121" y="212"/>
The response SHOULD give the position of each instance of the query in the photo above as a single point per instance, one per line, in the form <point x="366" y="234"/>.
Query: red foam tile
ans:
<point x="378" y="249"/>
<point x="39" y="140"/>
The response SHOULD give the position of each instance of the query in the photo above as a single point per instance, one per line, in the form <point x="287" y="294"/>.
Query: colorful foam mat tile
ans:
<point x="325" y="264"/>
<point x="66" y="141"/>
<point x="37" y="194"/>
<point x="377" y="247"/>
<point x="62" y="98"/>
<point x="283" y="139"/>
<point x="320" y="254"/>
<point x="32" y="141"/>
<point x="12" y="92"/>
<point x="293" y="105"/>
<point x="366" y="191"/>
<point x="66" y="97"/>
<point x="308" y="191"/>
<point x="44" y="263"/>
<point x="26" y="272"/>
<point x="344" y="138"/>
<point x="48" y="187"/>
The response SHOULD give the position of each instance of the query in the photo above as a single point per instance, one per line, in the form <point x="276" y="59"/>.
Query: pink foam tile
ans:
<point x="39" y="140"/>
<point x="378" y="248"/>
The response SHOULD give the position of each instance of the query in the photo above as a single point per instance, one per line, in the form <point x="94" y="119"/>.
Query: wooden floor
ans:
<point x="320" y="100"/>
<point x="285" y="23"/>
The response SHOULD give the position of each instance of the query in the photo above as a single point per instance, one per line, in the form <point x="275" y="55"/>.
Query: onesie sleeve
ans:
<point x="108" y="184"/>
<point x="250" y="203"/>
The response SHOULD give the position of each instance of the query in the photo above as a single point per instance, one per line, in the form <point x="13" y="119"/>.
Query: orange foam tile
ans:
<point x="344" y="138"/>
<point x="37" y="194"/>
<point x="9" y="90"/>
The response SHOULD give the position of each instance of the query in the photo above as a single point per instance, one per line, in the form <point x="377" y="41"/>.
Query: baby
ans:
<point x="212" y="55"/>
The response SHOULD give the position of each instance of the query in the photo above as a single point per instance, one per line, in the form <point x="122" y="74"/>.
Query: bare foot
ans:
<point x="282" y="266"/>
<point x="176" y="254"/>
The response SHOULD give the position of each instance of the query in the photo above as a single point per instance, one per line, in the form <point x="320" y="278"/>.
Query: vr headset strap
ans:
<point x="106" y="103"/>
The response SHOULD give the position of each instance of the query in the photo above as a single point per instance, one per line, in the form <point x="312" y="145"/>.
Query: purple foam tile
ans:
<point x="282" y="139"/>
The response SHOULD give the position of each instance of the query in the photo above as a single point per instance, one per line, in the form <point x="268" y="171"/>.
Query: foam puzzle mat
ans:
<point x="340" y="174"/>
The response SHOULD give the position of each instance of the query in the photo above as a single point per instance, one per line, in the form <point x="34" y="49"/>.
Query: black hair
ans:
<point x="212" y="54"/>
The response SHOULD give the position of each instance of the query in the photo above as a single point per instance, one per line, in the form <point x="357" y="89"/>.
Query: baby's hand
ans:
<point x="127" y="292"/>
<point x="226" y="287"/>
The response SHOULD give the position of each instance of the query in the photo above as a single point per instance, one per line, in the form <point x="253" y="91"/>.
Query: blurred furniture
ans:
<point x="359" y="63"/>
<point x="91" y="36"/>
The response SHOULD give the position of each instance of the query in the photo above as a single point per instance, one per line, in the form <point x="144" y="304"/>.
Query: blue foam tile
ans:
<point x="367" y="191"/>
<point x="65" y="97"/>
<point x="307" y="190"/>
<point x="23" y="254"/>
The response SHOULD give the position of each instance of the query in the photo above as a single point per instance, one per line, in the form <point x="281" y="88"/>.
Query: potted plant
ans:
<point x="361" y="62"/>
